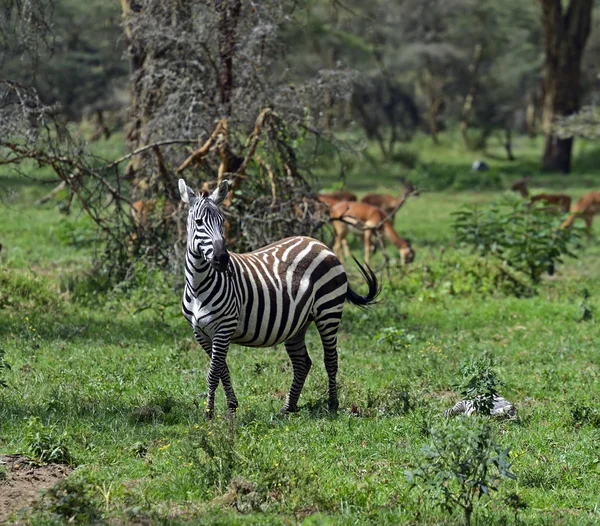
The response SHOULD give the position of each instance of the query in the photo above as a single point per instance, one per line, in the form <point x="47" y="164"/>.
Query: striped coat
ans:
<point x="262" y="298"/>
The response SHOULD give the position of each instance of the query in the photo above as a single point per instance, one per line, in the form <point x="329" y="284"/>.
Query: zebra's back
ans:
<point x="282" y="287"/>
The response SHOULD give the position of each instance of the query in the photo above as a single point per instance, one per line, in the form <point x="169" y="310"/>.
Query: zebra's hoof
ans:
<point x="333" y="406"/>
<point x="208" y="414"/>
<point x="287" y="410"/>
<point x="231" y="412"/>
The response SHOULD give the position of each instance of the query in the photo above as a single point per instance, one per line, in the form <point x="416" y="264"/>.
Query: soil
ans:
<point x="21" y="481"/>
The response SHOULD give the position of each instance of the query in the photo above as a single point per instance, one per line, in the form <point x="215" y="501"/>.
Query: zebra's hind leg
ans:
<point x="327" y="325"/>
<point x="301" y="363"/>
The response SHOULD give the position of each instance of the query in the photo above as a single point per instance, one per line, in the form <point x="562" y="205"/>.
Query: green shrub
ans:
<point x="460" y="465"/>
<point x="525" y="240"/>
<point x="460" y="274"/>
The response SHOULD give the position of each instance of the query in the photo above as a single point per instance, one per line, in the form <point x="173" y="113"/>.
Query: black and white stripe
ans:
<point x="262" y="298"/>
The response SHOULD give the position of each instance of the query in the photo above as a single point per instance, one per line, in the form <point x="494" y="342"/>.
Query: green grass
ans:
<point x="124" y="391"/>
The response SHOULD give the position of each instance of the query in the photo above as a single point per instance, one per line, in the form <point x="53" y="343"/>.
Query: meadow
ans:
<point x="113" y="382"/>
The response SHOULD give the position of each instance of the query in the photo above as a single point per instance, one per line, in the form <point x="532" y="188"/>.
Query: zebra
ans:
<point x="262" y="298"/>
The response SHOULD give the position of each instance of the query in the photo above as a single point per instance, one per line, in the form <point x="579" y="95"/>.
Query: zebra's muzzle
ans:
<point x="220" y="260"/>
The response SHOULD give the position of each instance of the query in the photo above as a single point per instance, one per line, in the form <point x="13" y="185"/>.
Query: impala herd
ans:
<point x="373" y="216"/>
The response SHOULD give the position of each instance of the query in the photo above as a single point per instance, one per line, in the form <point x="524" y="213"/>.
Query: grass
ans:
<point x="123" y="392"/>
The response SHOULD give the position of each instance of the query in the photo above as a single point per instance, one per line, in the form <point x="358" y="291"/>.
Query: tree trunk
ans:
<point x="531" y="115"/>
<point x="434" y="101"/>
<point x="148" y="91"/>
<point x="229" y="13"/>
<point x="565" y="36"/>
<point x="470" y="97"/>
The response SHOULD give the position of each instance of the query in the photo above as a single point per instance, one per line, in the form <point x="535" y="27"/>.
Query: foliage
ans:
<point x="80" y="233"/>
<point x="525" y="239"/>
<point x="456" y="274"/>
<point x="70" y="501"/>
<point x="4" y="366"/>
<point x="462" y="464"/>
<point x="585" y="123"/>
<point x="582" y="414"/>
<point x="394" y="338"/>
<point x="45" y="444"/>
<point x="437" y="176"/>
<point x="479" y="383"/>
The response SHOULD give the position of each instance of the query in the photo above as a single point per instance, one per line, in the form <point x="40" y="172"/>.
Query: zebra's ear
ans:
<point x="187" y="194"/>
<point x="220" y="193"/>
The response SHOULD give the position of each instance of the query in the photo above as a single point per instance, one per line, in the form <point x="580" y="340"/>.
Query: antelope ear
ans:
<point x="220" y="193"/>
<point x="187" y="194"/>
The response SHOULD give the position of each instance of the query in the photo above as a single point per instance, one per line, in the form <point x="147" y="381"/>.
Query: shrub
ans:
<point x="460" y="465"/>
<point x="525" y="240"/>
<point x="460" y="274"/>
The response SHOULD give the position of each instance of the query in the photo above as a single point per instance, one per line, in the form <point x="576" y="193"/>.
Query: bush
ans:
<point x="528" y="241"/>
<point x="462" y="464"/>
<point x="460" y="274"/>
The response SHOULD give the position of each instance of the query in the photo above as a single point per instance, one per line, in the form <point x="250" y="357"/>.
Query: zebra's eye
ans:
<point x="198" y="222"/>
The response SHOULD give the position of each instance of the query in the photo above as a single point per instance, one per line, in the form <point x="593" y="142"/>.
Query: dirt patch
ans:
<point x="21" y="481"/>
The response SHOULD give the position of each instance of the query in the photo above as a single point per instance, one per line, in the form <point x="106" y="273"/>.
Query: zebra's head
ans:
<point x="205" y="224"/>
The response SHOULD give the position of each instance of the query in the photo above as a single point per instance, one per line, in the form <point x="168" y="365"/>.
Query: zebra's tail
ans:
<point x="374" y="287"/>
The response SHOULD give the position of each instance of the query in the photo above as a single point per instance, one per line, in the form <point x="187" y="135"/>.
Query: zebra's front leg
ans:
<point x="219" y="371"/>
<point x="206" y="344"/>
<point x="301" y="363"/>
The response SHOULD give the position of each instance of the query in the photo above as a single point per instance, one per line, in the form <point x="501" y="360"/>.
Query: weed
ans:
<point x="393" y="338"/>
<point x="44" y="444"/>
<point x="69" y="501"/>
<point x="582" y="414"/>
<point x="479" y="384"/>
<point x="516" y="504"/>
<point x="218" y="441"/>
<point x="4" y="366"/>
<point x="586" y="311"/>
<point x="460" y="466"/>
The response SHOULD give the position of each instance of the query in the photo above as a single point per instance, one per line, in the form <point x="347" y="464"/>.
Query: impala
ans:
<point x="388" y="203"/>
<point x="560" y="201"/>
<point x="366" y="220"/>
<point x="331" y="198"/>
<point x="587" y="207"/>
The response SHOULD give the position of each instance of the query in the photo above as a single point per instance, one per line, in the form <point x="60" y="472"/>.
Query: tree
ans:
<point x="565" y="36"/>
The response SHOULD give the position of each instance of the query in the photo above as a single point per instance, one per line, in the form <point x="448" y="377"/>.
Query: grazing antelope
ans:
<point x="142" y="211"/>
<point x="388" y="203"/>
<point x="262" y="298"/>
<point x="560" y="201"/>
<point x="331" y="198"/>
<point x="365" y="219"/>
<point x="587" y="207"/>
